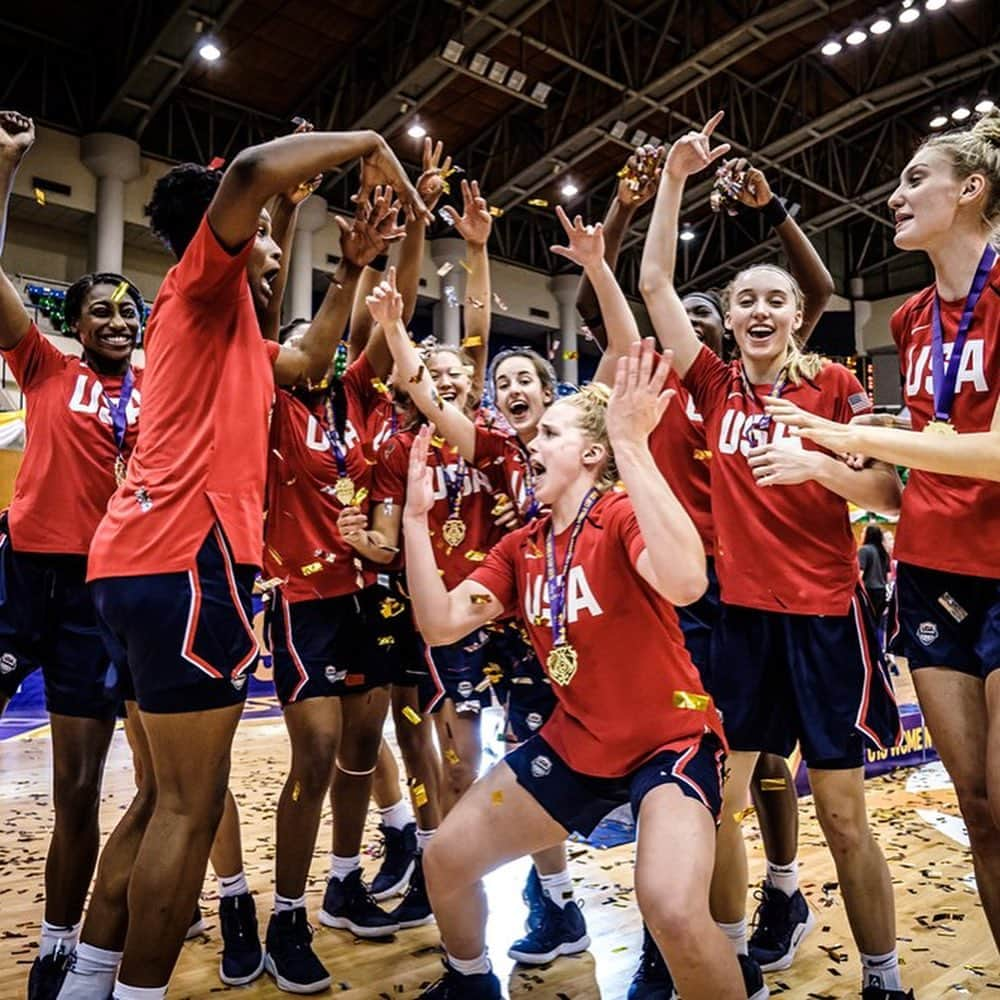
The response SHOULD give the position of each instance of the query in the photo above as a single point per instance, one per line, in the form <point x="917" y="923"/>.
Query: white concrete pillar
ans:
<point x="311" y="219"/>
<point x="113" y="160"/>
<point x="448" y="316"/>
<point x="564" y="288"/>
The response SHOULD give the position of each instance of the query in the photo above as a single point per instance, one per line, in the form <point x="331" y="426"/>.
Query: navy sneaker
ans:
<point x="780" y="925"/>
<point x="553" y="930"/>
<point x="753" y="978"/>
<point x="881" y="993"/>
<point x="454" y="986"/>
<point x="47" y="974"/>
<point x="198" y="925"/>
<point x="400" y="848"/>
<point x="348" y="905"/>
<point x="415" y="909"/>
<point x="290" y="958"/>
<point x="652" y="980"/>
<point x="242" y="956"/>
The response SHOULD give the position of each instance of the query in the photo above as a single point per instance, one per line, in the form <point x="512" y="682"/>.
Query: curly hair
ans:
<point x="180" y="199"/>
<point x="77" y="294"/>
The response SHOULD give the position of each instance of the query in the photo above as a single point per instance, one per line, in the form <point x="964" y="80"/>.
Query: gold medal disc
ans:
<point x="453" y="531"/>
<point x="343" y="490"/>
<point x="562" y="662"/>
<point x="944" y="427"/>
<point x="120" y="470"/>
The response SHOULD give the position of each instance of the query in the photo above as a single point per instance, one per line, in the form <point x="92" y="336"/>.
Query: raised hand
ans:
<point x="693" y="151"/>
<point x="638" y="400"/>
<point x="385" y="303"/>
<point x="640" y="176"/>
<point x="431" y="183"/>
<point x="374" y="227"/>
<point x="754" y="189"/>
<point x="381" y="167"/>
<point x="475" y="223"/>
<point x="586" y="243"/>
<point x="420" y="478"/>
<point x="17" y="135"/>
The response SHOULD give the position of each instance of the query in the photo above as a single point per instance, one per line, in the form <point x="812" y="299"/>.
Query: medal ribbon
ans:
<point x="945" y="380"/>
<point x="556" y="584"/>
<point x="534" y="506"/>
<point x="759" y="424"/>
<point x="337" y="447"/>
<point x="453" y="484"/>
<point x="118" y="412"/>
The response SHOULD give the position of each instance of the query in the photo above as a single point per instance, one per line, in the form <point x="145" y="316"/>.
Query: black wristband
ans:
<point x="590" y="322"/>
<point x="774" y="212"/>
<point x="380" y="263"/>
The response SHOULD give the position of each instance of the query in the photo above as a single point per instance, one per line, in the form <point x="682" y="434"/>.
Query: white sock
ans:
<point x="54" y="936"/>
<point x="234" y="885"/>
<point x="397" y="816"/>
<point x="470" y="967"/>
<point x="881" y="971"/>
<point x="92" y="975"/>
<point x="784" y="877"/>
<point x="340" y="868"/>
<point x="558" y="887"/>
<point x="737" y="934"/>
<point x="424" y="838"/>
<point x="282" y="904"/>
<point x="123" y="992"/>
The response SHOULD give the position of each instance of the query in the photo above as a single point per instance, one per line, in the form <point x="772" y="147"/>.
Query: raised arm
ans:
<point x="443" y="616"/>
<point x="260" y="172"/>
<point x="673" y="562"/>
<point x="656" y="276"/>
<point x="386" y="305"/>
<point x="17" y="134"/>
<point x="636" y="185"/>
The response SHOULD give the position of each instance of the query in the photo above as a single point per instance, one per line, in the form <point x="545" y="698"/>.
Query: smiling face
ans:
<point x="562" y="452"/>
<point x="705" y="321"/>
<point x="520" y="395"/>
<point x="263" y="264"/>
<point x="764" y="313"/>
<point x="108" y="329"/>
<point x="450" y="377"/>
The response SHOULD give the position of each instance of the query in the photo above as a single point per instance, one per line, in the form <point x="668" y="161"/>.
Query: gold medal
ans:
<point x="343" y="490"/>
<point x="943" y="427"/>
<point x="562" y="663"/>
<point x="453" y="531"/>
<point x="120" y="470"/>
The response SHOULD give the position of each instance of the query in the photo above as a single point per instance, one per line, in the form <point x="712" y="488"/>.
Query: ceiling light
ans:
<point x="985" y="105"/>
<point x="939" y="119"/>
<point x="908" y="15"/>
<point x="961" y="113"/>
<point x="935" y="4"/>
<point x="639" y="137"/>
<point x="880" y="26"/>
<point x="654" y="142"/>
<point x="209" y="50"/>
<point x="619" y="129"/>
<point x="453" y="50"/>
<point x="856" y="37"/>
<point x="569" y="190"/>
<point x="831" y="48"/>
<point x="416" y="131"/>
<point x="478" y="63"/>
<point x="540" y="92"/>
<point x="498" y="71"/>
<point x="687" y="233"/>
<point x="516" y="81"/>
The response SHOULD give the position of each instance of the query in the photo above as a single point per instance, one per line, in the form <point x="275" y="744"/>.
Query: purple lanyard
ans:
<point x="453" y="484"/>
<point x="756" y="425"/>
<point x="529" y="482"/>
<point x="338" y="448"/>
<point x="118" y="411"/>
<point x="556" y="582"/>
<point x="945" y="379"/>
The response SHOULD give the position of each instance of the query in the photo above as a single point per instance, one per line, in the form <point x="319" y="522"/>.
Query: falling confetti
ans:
<point x="497" y="798"/>
<point x="479" y="598"/>
<point x="311" y="568"/>
<point x="570" y="355"/>
<point x="445" y="269"/>
<point x="419" y="796"/>
<point x="39" y="196"/>
<point x="472" y="342"/>
<point x="475" y="303"/>
<point x="474" y="555"/>
<point x="495" y="211"/>
<point x="773" y="784"/>
<point x="538" y="202"/>
<point x="451" y="756"/>
<point x="296" y="791"/>
<point x="414" y="379"/>
<point x="501" y="305"/>
<point x="411" y="715"/>
<point x="691" y="700"/>
<point x="360" y="497"/>
<point x="121" y="290"/>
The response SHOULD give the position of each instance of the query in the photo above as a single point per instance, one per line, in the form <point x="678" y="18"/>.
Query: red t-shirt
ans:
<point x="777" y="548"/>
<point x="302" y="544"/>
<point x="683" y="457"/>
<point x="951" y="523"/>
<point x="481" y="533"/>
<point x="201" y="456"/>
<point x="68" y="469"/>
<point x="619" y="710"/>
<point x="500" y="453"/>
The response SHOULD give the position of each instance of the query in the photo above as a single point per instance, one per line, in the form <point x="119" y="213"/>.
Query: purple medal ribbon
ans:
<point x="945" y="379"/>
<point x="453" y="484"/>
<point x="337" y="447"/>
<point x="534" y="506"/>
<point x="757" y="425"/>
<point x="118" y="412"/>
<point x="556" y="583"/>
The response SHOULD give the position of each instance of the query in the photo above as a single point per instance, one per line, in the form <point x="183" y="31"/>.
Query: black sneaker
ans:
<point x="780" y="925"/>
<point x="415" y="909"/>
<point x="348" y="905"/>
<point x="881" y="993"/>
<point x="290" y="958"/>
<point x="553" y="930"/>
<point x="47" y="974"/>
<point x="397" y="861"/>
<point x="198" y="925"/>
<point x="242" y="956"/>
<point x="652" y="980"/>
<point x="753" y="978"/>
<point x="454" y="986"/>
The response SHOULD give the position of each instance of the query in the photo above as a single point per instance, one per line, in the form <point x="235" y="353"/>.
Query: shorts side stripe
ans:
<point x="861" y="722"/>
<point x="678" y="772"/>
<point x="238" y="605"/>
<point x="286" y="614"/>
<point x="187" y="648"/>
<point x="438" y="695"/>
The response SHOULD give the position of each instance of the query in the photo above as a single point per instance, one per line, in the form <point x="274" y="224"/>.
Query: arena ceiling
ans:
<point x="832" y="132"/>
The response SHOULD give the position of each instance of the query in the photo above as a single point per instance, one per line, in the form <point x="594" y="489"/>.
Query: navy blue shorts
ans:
<point x="698" y="621"/>
<point x="325" y="648"/>
<point x="465" y="672"/>
<point x="185" y="640"/>
<point x="819" y="680"/>
<point x="524" y="689"/>
<point x="406" y="653"/>
<point x="47" y="620"/>
<point x="941" y="619"/>
<point x="580" y="801"/>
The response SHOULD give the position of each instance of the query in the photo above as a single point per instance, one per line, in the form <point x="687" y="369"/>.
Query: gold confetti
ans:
<point x="414" y="379"/>
<point x="390" y="607"/>
<point x="483" y="685"/>
<point x="501" y="305"/>
<point x="773" y="784"/>
<point x="502" y="501"/>
<point x="479" y="598"/>
<point x="411" y="715"/>
<point x="121" y="290"/>
<point x="296" y="791"/>
<point x="570" y="355"/>
<point x="360" y="497"/>
<point x="437" y="441"/>
<point x="386" y="640"/>
<point x="538" y="202"/>
<point x="497" y="797"/>
<point x="266" y="586"/>
<point x="472" y="342"/>
<point x="419" y="796"/>
<point x="689" y="699"/>
<point x="451" y="756"/>
<point x="466" y="266"/>
<point x="273" y="553"/>
<point x="475" y="303"/>
<point x="702" y="455"/>
<point x="40" y="196"/>
<point x="495" y="211"/>
<point x="743" y="814"/>
<point x="380" y="386"/>
<point x="446" y="268"/>
<point x="313" y="567"/>
<point x="474" y="555"/>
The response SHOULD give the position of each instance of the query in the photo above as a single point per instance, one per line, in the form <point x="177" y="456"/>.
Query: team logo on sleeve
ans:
<point x="541" y="766"/>
<point x="8" y="663"/>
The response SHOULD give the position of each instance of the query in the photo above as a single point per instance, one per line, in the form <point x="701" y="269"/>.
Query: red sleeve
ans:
<point x="273" y="349"/>
<point x="498" y="572"/>
<point x="626" y="526"/>
<point x="207" y="271"/>
<point x="34" y="359"/>
<point x="358" y="382"/>
<point x="850" y="400"/>
<point x="899" y="323"/>
<point x="490" y="446"/>
<point x="390" y="473"/>
<point x="708" y="381"/>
